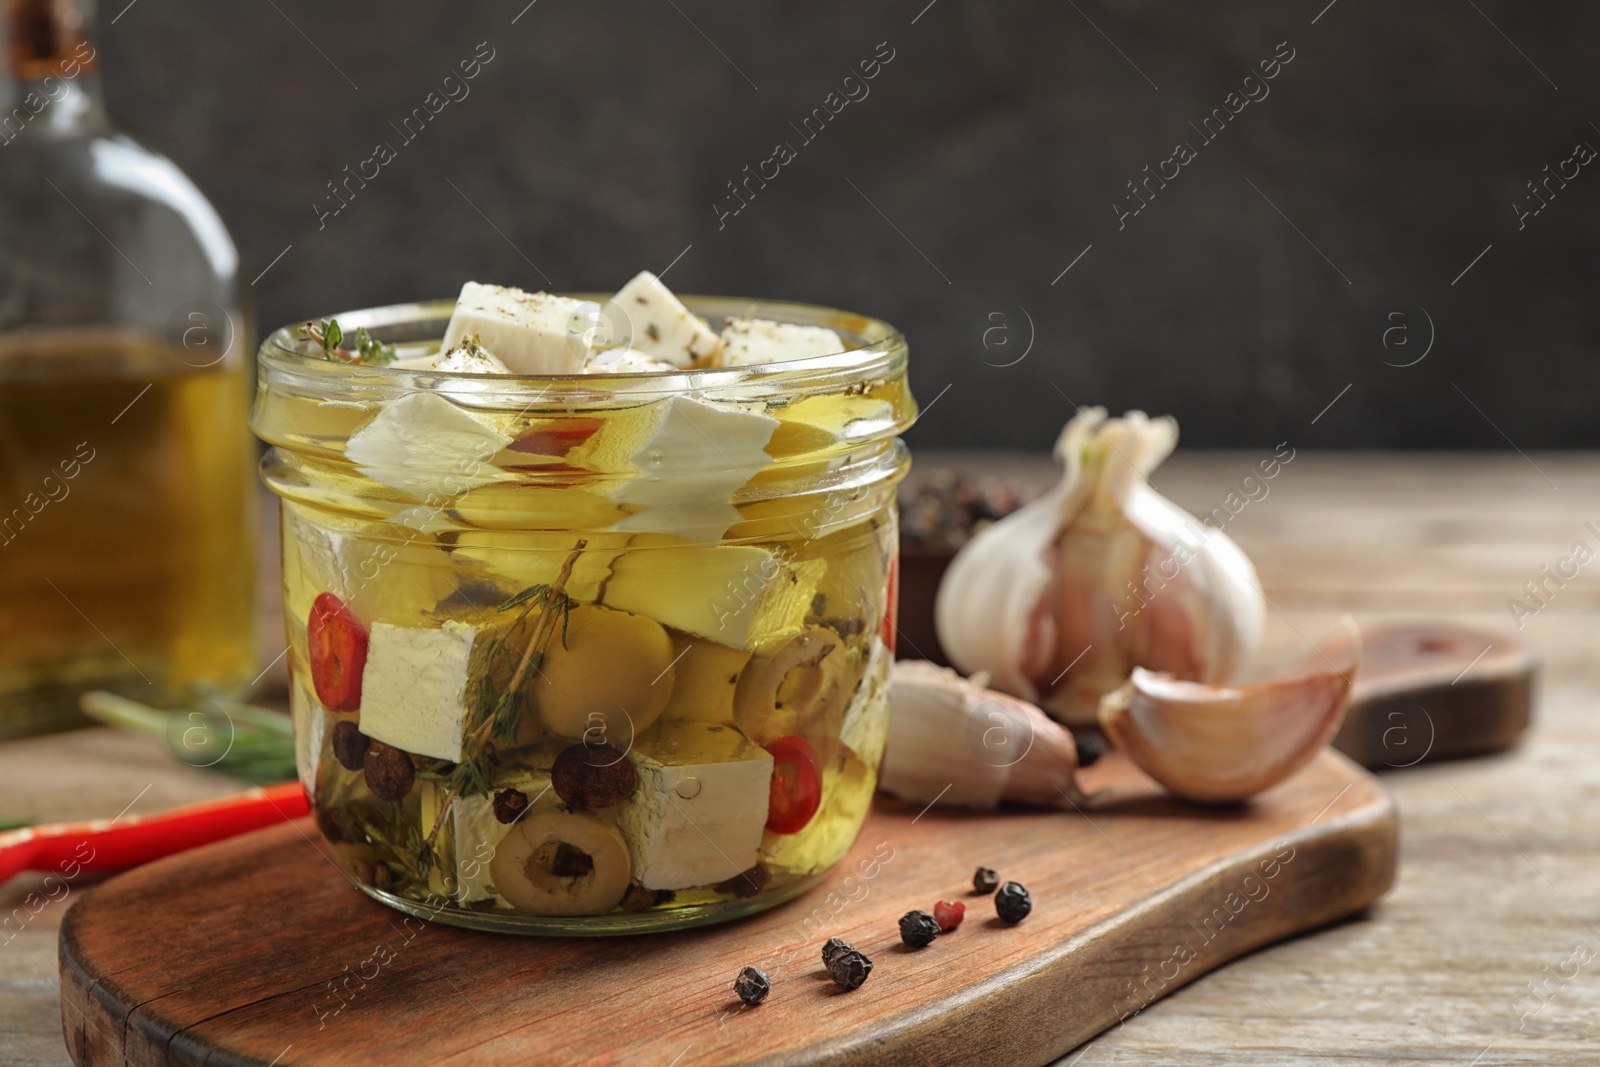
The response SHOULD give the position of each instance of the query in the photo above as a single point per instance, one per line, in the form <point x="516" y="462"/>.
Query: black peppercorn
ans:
<point x="638" y="898"/>
<point x="571" y="862"/>
<point x="593" y="776"/>
<point x="340" y="825"/>
<point x="849" y="969"/>
<point x="745" y="884"/>
<point x="510" y="805"/>
<point x="984" y="880"/>
<point x="1012" y="902"/>
<point x="1091" y="746"/>
<point x="752" y="985"/>
<point x="349" y="744"/>
<point x="388" y="772"/>
<point x="834" y="947"/>
<point x="918" y="929"/>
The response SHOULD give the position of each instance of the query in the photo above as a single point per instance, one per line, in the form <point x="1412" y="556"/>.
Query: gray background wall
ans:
<point x="986" y="158"/>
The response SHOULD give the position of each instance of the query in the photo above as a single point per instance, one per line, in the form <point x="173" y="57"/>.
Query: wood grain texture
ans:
<point x="257" y="950"/>
<point x="1432" y="691"/>
<point x="1497" y="858"/>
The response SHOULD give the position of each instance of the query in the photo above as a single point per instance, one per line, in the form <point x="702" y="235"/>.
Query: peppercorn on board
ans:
<point x="257" y="951"/>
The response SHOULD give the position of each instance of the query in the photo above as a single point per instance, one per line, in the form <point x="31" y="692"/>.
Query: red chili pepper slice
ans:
<point x="891" y="605"/>
<point x="796" y="785"/>
<point x="338" y="645"/>
<point x="556" y="439"/>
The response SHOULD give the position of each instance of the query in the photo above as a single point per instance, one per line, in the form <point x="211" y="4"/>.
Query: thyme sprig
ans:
<point x="255" y="744"/>
<point x="497" y="715"/>
<point x="329" y="336"/>
<point x="414" y="853"/>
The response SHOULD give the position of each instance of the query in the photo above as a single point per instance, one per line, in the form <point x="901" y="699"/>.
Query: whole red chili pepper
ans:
<point x="129" y="840"/>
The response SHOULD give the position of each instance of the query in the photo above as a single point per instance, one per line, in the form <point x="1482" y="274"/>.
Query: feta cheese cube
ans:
<point x="818" y="423"/>
<point x="865" y="728"/>
<point x="735" y="595"/>
<point x="644" y="315"/>
<point x="746" y="342"/>
<point x="697" y="816"/>
<point x="705" y="677"/>
<point x="415" y="688"/>
<point x="415" y="576"/>
<point x="477" y="833"/>
<point x="519" y="505"/>
<point x="310" y="731"/>
<point x="531" y="333"/>
<point x="625" y="361"/>
<point x="422" y="519"/>
<point x="506" y="561"/>
<point x="697" y="455"/>
<point x="425" y="446"/>
<point x="469" y="357"/>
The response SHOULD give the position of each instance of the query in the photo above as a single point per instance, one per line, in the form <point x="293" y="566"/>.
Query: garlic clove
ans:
<point x="1046" y="775"/>
<point x="1224" y="744"/>
<point x="1204" y="624"/>
<point x="1061" y="599"/>
<point x="993" y="610"/>
<point x="955" y="743"/>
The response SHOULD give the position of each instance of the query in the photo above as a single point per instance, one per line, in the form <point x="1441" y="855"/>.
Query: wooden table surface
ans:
<point x="1488" y="950"/>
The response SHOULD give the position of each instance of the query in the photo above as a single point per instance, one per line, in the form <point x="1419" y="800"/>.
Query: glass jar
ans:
<point x="127" y="520"/>
<point x="585" y="654"/>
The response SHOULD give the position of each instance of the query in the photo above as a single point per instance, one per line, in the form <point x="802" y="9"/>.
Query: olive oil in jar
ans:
<point x="126" y="524"/>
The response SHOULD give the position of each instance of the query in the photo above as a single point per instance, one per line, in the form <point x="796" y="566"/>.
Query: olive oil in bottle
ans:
<point x="126" y="519"/>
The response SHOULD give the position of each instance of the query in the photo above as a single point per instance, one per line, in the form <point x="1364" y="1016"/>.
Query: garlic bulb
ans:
<point x="964" y="746"/>
<point x="1219" y="744"/>
<point x="1060" y="600"/>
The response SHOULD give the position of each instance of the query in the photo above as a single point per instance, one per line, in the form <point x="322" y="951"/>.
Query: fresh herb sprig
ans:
<point x="415" y="855"/>
<point x="370" y="351"/>
<point x="329" y="336"/>
<point x="497" y="715"/>
<point x="255" y="744"/>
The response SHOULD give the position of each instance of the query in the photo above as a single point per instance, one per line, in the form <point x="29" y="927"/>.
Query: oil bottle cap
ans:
<point x="46" y="39"/>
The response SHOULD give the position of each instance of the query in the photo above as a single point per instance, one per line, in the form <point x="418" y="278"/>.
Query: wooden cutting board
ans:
<point x="256" y="951"/>
<point x="1433" y="690"/>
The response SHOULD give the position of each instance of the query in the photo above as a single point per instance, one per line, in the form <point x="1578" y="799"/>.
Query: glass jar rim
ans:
<point x="879" y="350"/>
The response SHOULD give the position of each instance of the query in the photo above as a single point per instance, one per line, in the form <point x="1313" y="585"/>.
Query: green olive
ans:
<point x="793" y="685"/>
<point x="560" y="863"/>
<point x="608" y="679"/>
